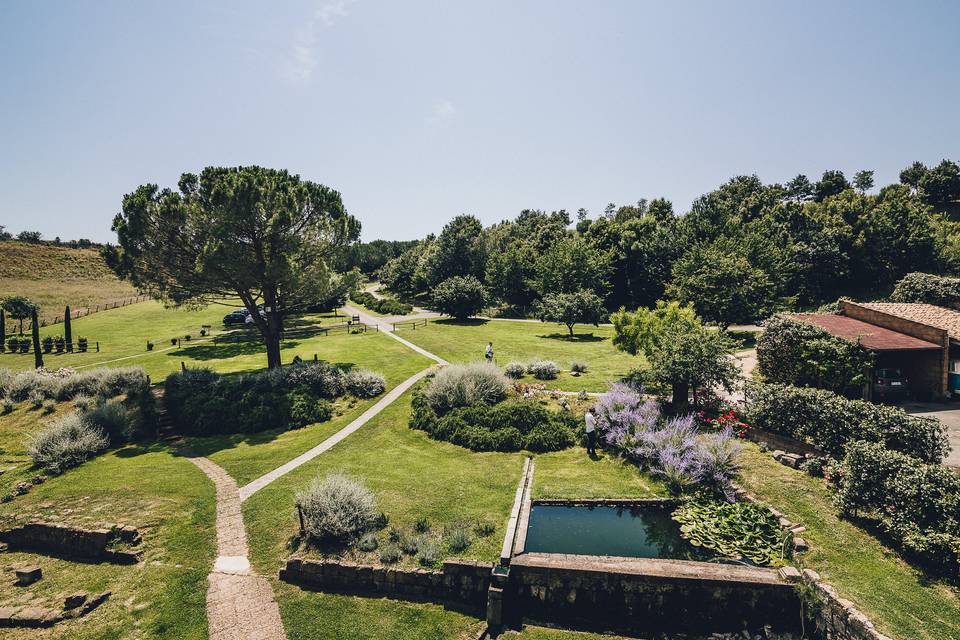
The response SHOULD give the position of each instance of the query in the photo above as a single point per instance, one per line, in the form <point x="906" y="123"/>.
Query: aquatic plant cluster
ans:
<point x="671" y="448"/>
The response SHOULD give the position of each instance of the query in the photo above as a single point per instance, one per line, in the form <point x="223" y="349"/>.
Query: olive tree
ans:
<point x="262" y="235"/>
<point x="19" y="308"/>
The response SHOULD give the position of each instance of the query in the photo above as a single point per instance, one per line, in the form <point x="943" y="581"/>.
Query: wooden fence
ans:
<point x="85" y="311"/>
<point x="409" y="324"/>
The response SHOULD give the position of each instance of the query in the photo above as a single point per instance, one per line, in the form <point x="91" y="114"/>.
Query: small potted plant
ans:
<point x="149" y="345"/>
<point x="173" y="341"/>
<point x="60" y="343"/>
<point x="47" y="343"/>
<point x="13" y="344"/>
<point x="24" y="344"/>
<point x="188" y="337"/>
<point x="82" y="345"/>
<point x="203" y="332"/>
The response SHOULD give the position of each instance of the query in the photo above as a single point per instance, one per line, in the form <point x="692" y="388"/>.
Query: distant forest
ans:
<point x="742" y="252"/>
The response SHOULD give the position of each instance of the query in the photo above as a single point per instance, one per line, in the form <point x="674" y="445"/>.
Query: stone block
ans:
<point x="800" y="545"/>
<point x="74" y="600"/>
<point x="790" y="574"/>
<point x="95" y="601"/>
<point x="28" y="575"/>
<point x="6" y="616"/>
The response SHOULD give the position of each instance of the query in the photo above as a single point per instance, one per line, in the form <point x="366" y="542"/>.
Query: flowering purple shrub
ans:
<point x="673" y="449"/>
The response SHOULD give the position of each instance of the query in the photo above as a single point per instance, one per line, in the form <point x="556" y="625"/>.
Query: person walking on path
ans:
<point x="488" y="354"/>
<point x="590" y="418"/>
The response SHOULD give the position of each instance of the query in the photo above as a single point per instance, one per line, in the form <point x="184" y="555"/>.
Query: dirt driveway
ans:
<point x="949" y="415"/>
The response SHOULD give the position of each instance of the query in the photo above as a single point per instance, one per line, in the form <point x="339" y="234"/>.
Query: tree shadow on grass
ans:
<point x="471" y="322"/>
<point x="577" y="337"/>
<point x="223" y="350"/>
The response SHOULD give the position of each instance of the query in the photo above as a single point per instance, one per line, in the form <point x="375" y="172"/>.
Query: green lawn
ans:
<point x="525" y="341"/>
<point x="903" y="602"/>
<point x="162" y="494"/>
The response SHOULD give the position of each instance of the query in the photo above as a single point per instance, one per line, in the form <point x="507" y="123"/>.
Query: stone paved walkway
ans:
<point x="240" y="604"/>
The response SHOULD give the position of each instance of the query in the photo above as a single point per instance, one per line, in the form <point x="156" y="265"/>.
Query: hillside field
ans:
<point x="54" y="277"/>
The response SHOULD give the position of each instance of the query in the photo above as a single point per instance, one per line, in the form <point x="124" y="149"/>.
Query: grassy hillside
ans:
<point x="56" y="276"/>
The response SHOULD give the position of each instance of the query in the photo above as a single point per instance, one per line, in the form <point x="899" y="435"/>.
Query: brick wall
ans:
<point x="929" y="370"/>
<point x="462" y="582"/>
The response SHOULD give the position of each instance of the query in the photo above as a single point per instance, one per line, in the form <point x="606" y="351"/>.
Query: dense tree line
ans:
<point x="742" y="252"/>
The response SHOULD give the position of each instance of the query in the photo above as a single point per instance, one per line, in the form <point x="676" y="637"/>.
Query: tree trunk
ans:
<point x="37" y="355"/>
<point x="681" y="396"/>
<point x="570" y="329"/>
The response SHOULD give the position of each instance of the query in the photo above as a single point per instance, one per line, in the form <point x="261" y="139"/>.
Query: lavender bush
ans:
<point x="672" y="449"/>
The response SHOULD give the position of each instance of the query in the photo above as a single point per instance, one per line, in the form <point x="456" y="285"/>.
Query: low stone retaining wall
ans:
<point x="461" y="582"/>
<point x="838" y="619"/>
<point x="775" y="441"/>
<point x="645" y="596"/>
<point x="73" y="542"/>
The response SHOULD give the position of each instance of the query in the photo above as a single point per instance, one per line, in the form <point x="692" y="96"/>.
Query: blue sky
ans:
<point x="420" y="110"/>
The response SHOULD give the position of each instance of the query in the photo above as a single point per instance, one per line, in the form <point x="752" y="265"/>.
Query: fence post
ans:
<point x="98" y="346"/>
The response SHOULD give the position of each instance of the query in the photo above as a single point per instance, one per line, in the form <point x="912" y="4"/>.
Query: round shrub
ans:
<point x="83" y="402"/>
<point x="458" y="539"/>
<point x="365" y="384"/>
<point x="66" y="443"/>
<point x="422" y="525"/>
<point x="543" y="369"/>
<point x="49" y="406"/>
<point x="466" y="384"/>
<point x="36" y="399"/>
<point x="368" y="542"/>
<point x="429" y="554"/>
<point x="7" y="405"/>
<point x="514" y="370"/>
<point x="390" y="554"/>
<point x="337" y="507"/>
<point x="485" y="528"/>
<point x="410" y="545"/>
<point x="118" y="422"/>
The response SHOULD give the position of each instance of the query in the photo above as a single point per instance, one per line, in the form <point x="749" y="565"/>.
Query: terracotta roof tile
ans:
<point x="870" y="335"/>
<point x="929" y="314"/>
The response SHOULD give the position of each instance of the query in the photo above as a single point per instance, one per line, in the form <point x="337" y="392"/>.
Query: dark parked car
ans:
<point x="236" y="317"/>
<point x="890" y="384"/>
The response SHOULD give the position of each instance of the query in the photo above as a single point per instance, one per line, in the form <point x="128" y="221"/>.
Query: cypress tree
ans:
<point x="67" y="333"/>
<point x="37" y="355"/>
<point x="3" y="331"/>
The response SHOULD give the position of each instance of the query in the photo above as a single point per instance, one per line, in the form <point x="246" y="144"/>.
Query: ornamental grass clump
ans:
<point x="514" y="370"/>
<point x="465" y="385"/>
<point x="337" y="507"/>
<point x="66" y="443"/>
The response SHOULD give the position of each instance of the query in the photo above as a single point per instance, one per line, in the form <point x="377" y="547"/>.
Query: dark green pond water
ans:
<point x="635" y="532"/>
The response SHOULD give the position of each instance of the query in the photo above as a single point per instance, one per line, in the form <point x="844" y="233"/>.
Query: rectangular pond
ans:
<point x="635" y="531"/>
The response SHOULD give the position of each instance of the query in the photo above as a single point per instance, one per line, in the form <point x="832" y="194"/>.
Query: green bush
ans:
<point x="422" y="525"/>
<point x="386" y="306"/>
<point x="460" y="297"/>
<point x="830" y="421"/>
<point x="390" y="554"/>
<point x="368" y="542"/>
<point x="928" y="288"/>
<point x="578" y="366"/>
<point x="365" y="384"/>
<point x="514" y="370"/>
<point x="306" y="408"/>
<point x="429" y="554"/>
<point x="543" y="369"/>
<point x="116" y="420"/>
<point x="917" y="504"/>
<point x="457" y="538"/>
<point x="66" y="443"/>
<point x="509" y="426"/>
<point x="804" y="355"/>
<point x="7" y="406"/>
<point x="337" y="507"/>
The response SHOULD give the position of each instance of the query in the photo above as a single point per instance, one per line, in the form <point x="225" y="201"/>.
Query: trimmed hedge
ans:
<point x="386" y="306"/>
<point x="802" y="354"/>
<point x="917" y="504"/>
<point x="201" y="402"/>
<point x="927" y="287"/>
<point x="511" y="425"/>
<point x="830" y="421"/>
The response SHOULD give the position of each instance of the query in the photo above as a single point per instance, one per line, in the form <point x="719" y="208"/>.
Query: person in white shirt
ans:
<point x="590" y="418"/>
<point x="488" y="354"/>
